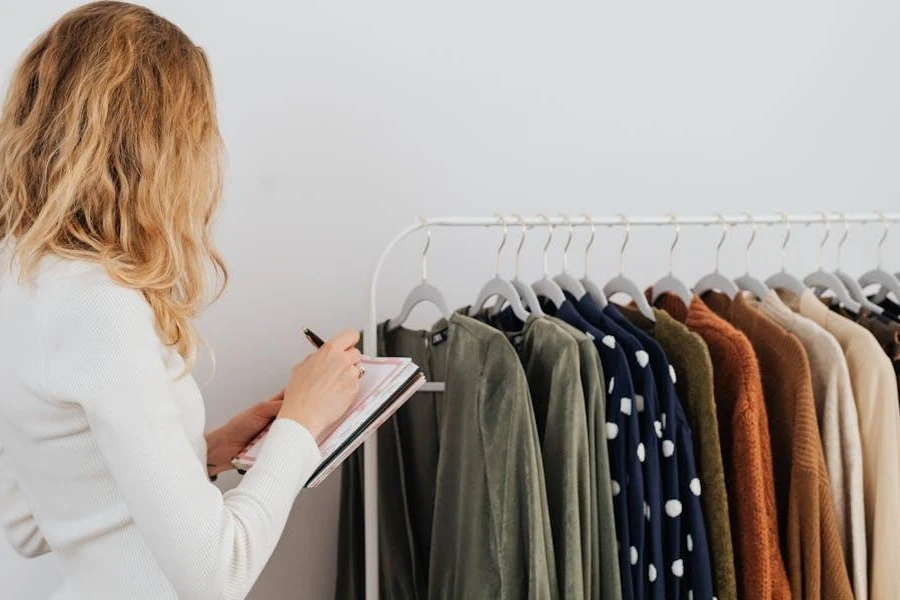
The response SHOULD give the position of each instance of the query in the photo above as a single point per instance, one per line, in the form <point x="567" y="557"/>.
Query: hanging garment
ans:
<point x="891" y="308"/>
<point x="606" y="583"/>
<point x="875" y="391"/>
<point x="622" y="437"/>
<point x="885" y="329"/>
<point x="807" y="523"/>
<point x="838" y="431"/>
<point x="746" y="450"/>
<point x="552" y="366"/>
<point x="658" y="579"/>
<point x="687" y="554"/>
<point x="463" y="508"/>
<point x="690" y="360"/>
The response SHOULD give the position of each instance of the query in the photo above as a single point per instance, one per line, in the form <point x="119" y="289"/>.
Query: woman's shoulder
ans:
<point x="78" y="291"/>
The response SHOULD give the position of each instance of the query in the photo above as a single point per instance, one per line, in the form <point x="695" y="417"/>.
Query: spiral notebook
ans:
<point x="387" y="384"/>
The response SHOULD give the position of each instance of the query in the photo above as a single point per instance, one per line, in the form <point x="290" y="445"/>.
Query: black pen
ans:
<point x="318" y="343"/>
<point x="313" y="338"/>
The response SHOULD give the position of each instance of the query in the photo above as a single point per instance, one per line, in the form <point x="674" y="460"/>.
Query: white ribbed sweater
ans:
<point x="102" y="454"/>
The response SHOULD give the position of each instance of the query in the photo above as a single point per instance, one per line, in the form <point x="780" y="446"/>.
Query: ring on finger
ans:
<point x="362" y="370"/>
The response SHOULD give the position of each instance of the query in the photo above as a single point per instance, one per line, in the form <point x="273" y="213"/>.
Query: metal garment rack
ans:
<point x="370" y="477"/>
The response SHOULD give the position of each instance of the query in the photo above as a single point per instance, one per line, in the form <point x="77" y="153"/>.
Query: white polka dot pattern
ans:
<point x="673" y="508"/>
<point x="695" y="486"/>
<point x="678" y="568"/>
<point x="612" y="431"/>
<point x="625" y="403"/>
<point x="668" y="448"/>
<point x="642" y="357"/>
<point x="609" y="340"/>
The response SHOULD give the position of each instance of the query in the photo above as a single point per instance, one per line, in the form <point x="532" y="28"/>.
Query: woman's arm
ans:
<point x="104" y="354"/>
<point x="18" y="523"/>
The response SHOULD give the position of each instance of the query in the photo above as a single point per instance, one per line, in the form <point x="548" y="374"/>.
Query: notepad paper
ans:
<point x="387" y="384"/>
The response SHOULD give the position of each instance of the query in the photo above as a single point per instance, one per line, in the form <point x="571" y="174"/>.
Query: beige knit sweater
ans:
<point x="839" y="431"/>
<point x="875" y="391"/>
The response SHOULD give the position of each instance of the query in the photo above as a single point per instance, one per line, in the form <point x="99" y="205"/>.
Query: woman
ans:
<point x="109" y="177"/>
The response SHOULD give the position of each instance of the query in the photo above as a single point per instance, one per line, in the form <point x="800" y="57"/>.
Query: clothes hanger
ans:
<point x="545" y="286"/>
<point x="821" y="279"/>
<point x="424" y="292"/>
<point x="526" y="294"/>
<point x="783" y="280"/>
<point x="856" y="291"/>
<point x="593" y="290"/>
<point x="566" y="281"/>
<point x="890" y="284"/>
<point x="747" y="282"/>
<point x="715" y="281"/>
<point x="620" y="284"/>
<point x="499" y="287"/>
<point x="669" y="283"/>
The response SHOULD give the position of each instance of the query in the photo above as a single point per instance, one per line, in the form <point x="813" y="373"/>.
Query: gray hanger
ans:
<point x="529" y="298"/>
<point x="821" y="279"/>
<point x="747" y="282"/>
<point x="783" y="280"/>
<point x="592" y="288"/>
<point x="890" y="284"/>
<point x="620" y="284"/>
<point x="669" y="283"/>
<point x="499" y="287"/>
<point x="716" y="281"/>
<point x="424" y="292"/>
<point x="566" y="281"/>
<point x="856" y="291"/>
<point x="545" y="286"/>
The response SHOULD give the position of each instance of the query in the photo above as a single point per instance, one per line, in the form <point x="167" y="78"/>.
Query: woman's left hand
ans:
<point x="226" y="442"/>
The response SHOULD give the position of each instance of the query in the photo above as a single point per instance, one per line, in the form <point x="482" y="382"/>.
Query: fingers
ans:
<point x="345" y="340"/>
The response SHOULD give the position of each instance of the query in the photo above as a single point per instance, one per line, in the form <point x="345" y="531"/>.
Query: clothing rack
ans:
<point x="370" y="477"/>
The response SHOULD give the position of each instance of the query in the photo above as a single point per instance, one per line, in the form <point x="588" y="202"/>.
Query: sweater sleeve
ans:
<point x="103" y="353"/>
<point x="19" y="526"/>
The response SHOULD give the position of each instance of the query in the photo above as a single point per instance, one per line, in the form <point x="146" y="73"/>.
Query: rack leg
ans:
<point x="370" y="481"/>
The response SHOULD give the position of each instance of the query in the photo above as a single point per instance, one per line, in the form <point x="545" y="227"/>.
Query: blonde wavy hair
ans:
<point x="110" y="152"/>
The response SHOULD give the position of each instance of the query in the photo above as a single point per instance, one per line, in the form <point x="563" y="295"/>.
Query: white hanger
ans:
<point x="592" y="288"/>
<point x="566" y="281"/>
<point x="527" y="295"/>
<point x="424" y="292"/>
<point x="890" y="284"/>
<point x="747" y="282"/>
<point x="499" y="287"/>
<point x="620" y="284"/>
<point x="856" y="291"/>
<point x="823" y="280"/>
<point x="715" y="281"/>
<point x="783" y="280"/>
<point x="669" y="283"/>
<point x="545" y="286"/>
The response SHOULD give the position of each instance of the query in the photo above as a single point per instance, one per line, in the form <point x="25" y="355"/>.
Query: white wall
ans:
<point x="346" y="122"/>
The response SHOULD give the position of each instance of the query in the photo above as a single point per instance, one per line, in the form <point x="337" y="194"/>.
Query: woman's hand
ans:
<point x="322" y="387"/>
<point x="226" y="442"/>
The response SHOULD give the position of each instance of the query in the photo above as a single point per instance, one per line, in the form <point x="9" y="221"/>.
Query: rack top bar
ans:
<point x="614" y="221"/>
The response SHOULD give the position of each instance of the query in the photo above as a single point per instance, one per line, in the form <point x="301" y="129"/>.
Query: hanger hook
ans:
<point x="674" y="218"/>
<point x="752" y="220"/>
<point x="502" y="242"/>
<point x="587" y="249"/>
<point x="884" y="235"/>
<point x="547" y="243"/>
<point x="725" y="228"/>
<point x="521" y="240"/>
<point x="784" y="242"/>
<point x="425" y="249"/>
<point x="624" y="243"/>
<point x="824" y="239"/>
<point x="568" y="222"/>
<point x="840" y="247"/>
